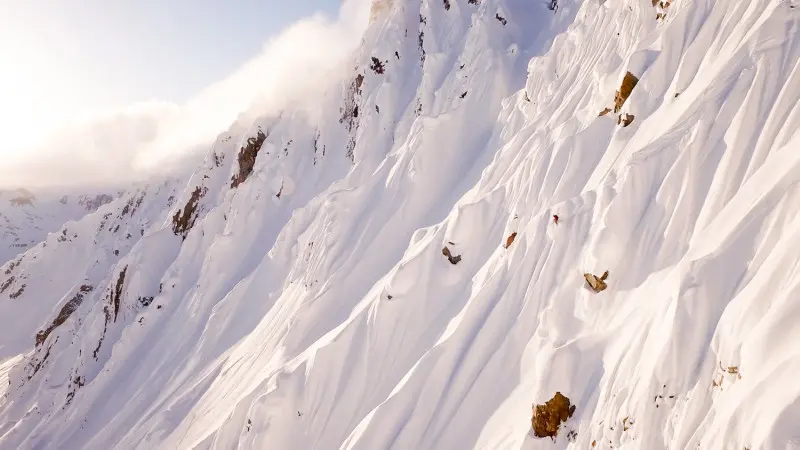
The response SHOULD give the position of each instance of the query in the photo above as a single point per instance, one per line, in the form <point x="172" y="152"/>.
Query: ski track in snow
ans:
<point x="311" y="307"/>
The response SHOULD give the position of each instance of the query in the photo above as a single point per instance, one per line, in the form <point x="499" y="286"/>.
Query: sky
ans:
<point x="96" y="84"/>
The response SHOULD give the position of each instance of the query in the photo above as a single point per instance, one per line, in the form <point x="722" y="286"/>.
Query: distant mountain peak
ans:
<point x="22" y="197"/>
<point x="26" y="217"/>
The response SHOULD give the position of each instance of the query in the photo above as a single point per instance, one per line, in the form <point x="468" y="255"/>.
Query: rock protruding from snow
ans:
<point x="598" y="284"/>
<point x="661" y="9"/>
<point x="628" y="83"/>
<point x="625" y="119"/>
<point x="510" y="239"/>
<point x="184" y="218"/>
<point x="247" y="158"/>
<point x="547" y="418"/>
<point x="454" y="259"/>
<point x="92" y="202"/>
<point x="64" y="314"/>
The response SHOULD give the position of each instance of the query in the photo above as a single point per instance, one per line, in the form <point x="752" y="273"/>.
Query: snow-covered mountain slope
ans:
<point x="404" y="265"/>
<point x="26" y="218"/>
<point x="65" y="267"/>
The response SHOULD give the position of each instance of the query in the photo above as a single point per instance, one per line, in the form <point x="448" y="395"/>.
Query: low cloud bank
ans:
<point x="159" y="138"/>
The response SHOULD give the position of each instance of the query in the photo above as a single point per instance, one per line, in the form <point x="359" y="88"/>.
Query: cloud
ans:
<point x="155" y="138"/>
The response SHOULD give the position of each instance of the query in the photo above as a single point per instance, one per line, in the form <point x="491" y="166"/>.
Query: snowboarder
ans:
<point x="555" y="219"/>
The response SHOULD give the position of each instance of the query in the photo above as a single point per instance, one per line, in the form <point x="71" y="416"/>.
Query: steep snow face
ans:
<point x="296" y="295"/>
<point x="26" y="218"/>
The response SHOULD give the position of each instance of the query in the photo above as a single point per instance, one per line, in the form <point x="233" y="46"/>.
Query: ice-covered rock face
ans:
<point x="295" y="291"/>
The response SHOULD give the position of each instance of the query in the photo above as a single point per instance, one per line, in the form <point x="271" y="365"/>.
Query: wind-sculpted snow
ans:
<point x="295" y="293"/>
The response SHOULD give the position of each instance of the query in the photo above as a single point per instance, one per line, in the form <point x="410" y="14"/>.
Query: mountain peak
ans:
<point x="21" y="197"/>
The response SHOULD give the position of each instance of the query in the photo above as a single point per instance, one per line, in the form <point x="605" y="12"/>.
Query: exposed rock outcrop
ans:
<point x="453" y="259"/>
<point x="377" y="66"/>
<point x="6" y="284"/>
<point x="92" y="202"/>
<point x="64" y="314"/>
<point x="661" y="9"/>
<point x="16" y="294"/>
<point x="117" y="294"/>
<point x="625" y="119"/>
<point x="247" y="158"/>
<point x="547" y="418"/>
<point x="628" y="83"/>
<point x="183" y="220"/>
<point x="597" y="284"/>
<point x="349" y="113"/>
<point x="510" y="239"/>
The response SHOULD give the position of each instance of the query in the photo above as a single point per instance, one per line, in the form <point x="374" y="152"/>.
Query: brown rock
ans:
<point x="626" y="119"/>
<point x="597" y="284"/>
<point x="547" y="418"/>
<point x="510" y="239"/>
<point x="183" y="220"/>
<point x="247" y="158"/>
<point x="628" y="83"/>
<point x="453" y="259"/>
<point x="63" y="315"/>
<point x="604" y="112"/>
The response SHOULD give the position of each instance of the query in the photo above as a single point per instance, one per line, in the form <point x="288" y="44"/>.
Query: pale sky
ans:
<point x="62" y="60"/>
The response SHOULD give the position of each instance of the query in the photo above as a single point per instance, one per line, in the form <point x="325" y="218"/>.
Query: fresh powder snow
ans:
<point x="517" y="224"/>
